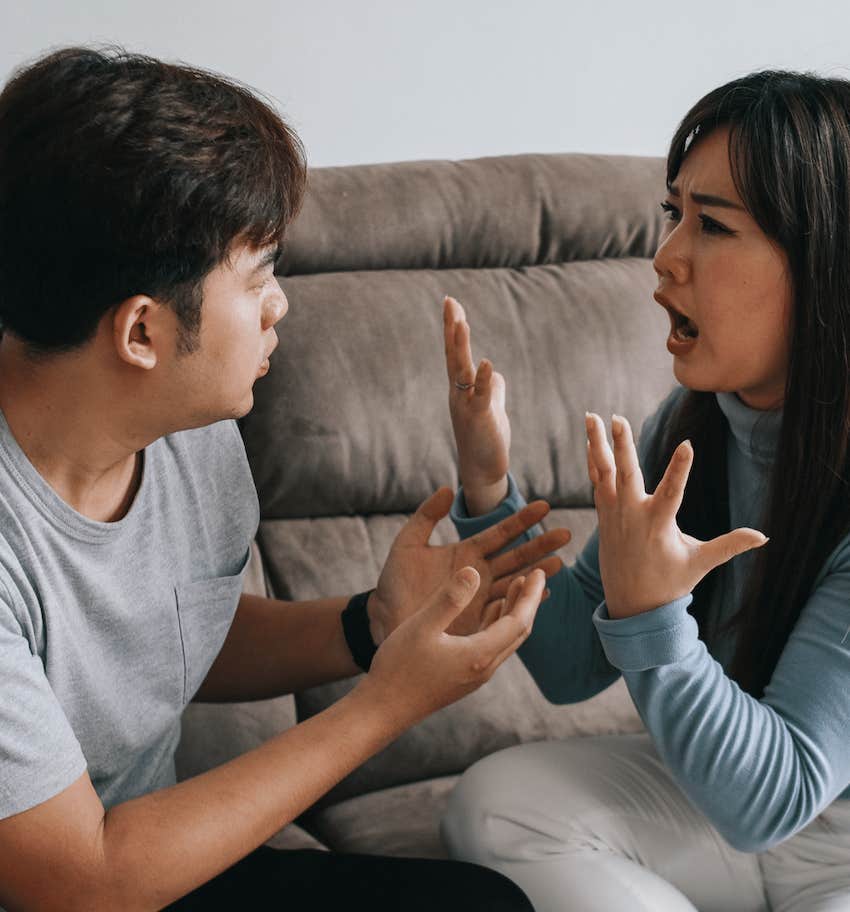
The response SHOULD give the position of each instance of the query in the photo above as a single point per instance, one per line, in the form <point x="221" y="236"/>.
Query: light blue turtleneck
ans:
<point x="760" y="770"/>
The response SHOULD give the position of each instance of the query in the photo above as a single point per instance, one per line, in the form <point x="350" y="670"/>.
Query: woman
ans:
<point x="736" y="797"/>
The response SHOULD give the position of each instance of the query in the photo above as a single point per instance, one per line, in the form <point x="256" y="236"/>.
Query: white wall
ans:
<point x="385" y="80"/>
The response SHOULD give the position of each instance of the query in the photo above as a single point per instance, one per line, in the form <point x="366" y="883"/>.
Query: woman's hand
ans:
<point x="481" y="427"/>
<point x="644" y="559"/>
<point x="414" y="570"/>
<point x="420" y="667"/>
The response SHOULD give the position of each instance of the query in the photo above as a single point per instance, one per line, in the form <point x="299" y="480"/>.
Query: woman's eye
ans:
<point x="710" y="226"/>
<point x="671" y="211"/>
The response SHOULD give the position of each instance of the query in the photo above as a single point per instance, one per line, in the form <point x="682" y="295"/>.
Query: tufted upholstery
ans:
<point x="350" y="429"/>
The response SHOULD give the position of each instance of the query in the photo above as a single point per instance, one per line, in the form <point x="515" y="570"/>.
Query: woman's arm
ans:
<point x="760" y="770"/>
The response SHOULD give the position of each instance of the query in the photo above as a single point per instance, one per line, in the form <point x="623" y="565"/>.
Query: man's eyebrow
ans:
<point x="707" y="199"/>
<point x="269" y="257"/>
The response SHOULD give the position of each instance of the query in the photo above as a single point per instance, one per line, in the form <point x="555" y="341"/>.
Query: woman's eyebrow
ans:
<point x="707" y="199"/>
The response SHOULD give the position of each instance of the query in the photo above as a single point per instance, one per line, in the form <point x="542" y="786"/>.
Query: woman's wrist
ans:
<point x="484" y="498"/>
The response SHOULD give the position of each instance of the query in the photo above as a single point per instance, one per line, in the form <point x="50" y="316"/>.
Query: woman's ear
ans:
<point x="139" y="331"/>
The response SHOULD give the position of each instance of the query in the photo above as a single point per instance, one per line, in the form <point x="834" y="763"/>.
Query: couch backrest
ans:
<point x="350" y="429"/>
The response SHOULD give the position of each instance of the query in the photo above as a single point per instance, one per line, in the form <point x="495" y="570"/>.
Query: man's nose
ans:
<point x="277" y="308"/>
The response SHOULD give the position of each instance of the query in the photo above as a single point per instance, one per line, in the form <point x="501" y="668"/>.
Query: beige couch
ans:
<point x="350" y="430"/>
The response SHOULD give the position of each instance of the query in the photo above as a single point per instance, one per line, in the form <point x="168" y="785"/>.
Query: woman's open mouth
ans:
<point x="683" y="331"/>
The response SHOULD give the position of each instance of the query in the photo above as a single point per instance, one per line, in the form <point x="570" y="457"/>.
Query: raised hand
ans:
<point x="422" y="667"/>
<point x="415" y="570"/>
<point x="645" y="560"/>
<point x="477" y="406"/>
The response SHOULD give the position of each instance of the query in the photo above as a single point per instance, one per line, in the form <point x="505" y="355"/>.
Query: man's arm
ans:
<point x="69" y="854"/>
<point x="275" y="647"/>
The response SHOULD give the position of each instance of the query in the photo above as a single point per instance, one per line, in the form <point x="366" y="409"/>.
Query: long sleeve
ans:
<point x="563" y="653"/>
<point x="760" y="770"/>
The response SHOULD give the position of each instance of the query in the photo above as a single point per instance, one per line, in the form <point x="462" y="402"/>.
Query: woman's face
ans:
<point x="725" y="285"/>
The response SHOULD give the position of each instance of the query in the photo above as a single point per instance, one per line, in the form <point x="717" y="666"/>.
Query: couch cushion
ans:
<point x="396" y="821"/>
<point x="353" y="416"/>
<point x="494" y="212"/>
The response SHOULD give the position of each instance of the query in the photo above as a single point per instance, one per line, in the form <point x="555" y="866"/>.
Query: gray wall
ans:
<point x="385" y="80"/>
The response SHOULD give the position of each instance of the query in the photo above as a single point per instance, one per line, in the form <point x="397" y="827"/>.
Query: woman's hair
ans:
<point x="789" y="151"/>
<point x="123" y="175"/>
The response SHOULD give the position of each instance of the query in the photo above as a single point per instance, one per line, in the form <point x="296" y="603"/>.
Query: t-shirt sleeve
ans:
<point x="39" y="753"/>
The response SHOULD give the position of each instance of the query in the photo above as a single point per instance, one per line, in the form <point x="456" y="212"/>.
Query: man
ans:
<point x="141" y="210"/>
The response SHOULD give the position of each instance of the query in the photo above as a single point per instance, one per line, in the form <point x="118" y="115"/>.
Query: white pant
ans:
<point x="599" y="824"/>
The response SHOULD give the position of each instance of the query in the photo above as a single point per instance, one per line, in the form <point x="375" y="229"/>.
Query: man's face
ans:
<point x="242" y="302"/>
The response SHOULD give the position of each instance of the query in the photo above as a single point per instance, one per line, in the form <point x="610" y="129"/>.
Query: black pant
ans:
<point x="314" y="881"/>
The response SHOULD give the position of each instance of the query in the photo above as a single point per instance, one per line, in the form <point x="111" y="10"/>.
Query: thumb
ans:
<point x="417" y="530"/>
<point x="723" y="548"/>
<point x="452" y="597"/>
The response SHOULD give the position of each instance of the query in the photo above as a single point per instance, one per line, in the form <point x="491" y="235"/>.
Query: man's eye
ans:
<point x="672" y="212"/>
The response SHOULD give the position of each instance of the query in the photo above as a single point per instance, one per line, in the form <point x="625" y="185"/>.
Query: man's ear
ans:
<point x="141" y="331"/>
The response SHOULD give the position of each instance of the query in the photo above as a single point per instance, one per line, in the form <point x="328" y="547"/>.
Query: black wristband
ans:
<point x="355" y="626"/>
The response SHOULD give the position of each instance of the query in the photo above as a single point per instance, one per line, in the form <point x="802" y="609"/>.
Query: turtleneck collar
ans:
<point x="756" y="432"/>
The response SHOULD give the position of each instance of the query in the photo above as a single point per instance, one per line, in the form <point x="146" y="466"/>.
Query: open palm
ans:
<point x="414" y="569"/>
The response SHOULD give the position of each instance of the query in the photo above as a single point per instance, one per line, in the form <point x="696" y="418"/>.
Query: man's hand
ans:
<point x="415" y="570"/>
<point x="479" y="419"/>
<point x="422" y="667"/>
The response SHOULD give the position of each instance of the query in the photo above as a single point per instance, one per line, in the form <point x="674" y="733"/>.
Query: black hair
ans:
<point x="789" y="152"/>
<point x="120" y="175"/>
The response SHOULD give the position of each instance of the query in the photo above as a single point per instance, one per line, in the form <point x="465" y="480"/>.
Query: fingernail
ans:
<point x="616" y="425"/>
<point x="588" y="420"/>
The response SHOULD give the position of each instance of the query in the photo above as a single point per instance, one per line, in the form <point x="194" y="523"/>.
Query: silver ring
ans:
<point x="463" y="386"/>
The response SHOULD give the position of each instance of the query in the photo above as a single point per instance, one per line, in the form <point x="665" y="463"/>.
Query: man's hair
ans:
<point x="121" y="175"/>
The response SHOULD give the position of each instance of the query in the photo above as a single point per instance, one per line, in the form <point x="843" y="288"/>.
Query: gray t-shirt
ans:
<point x="108" y="629"/>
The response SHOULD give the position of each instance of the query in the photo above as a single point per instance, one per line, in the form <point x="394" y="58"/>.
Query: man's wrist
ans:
<point x="357" y="630"/>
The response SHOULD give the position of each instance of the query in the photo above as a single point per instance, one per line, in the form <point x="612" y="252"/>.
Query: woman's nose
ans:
<point x="672" y="259"/>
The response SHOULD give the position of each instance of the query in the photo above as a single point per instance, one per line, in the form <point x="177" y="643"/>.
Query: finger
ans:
<point x="483" y="385"/>
<point x="549" y="565"/>
<point x="592" y="474"/>
<point x="464" y="367"/>
<point x="496" y="537"/>
<point x="723" y="548"/>
<point x="417" y="530"/>
<point x="529" y="552"/>
<point x="671" y="489"/>
<point x="451" y="598"/>
<point x="452" y="315"/>
<point x="505" y="635"/>
<point x="491" y="612"/>
<point x="629" y="478"/>
<point x="602" y="458"/>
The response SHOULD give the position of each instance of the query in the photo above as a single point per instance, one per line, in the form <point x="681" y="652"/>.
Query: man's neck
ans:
<point x="62" y="412"/>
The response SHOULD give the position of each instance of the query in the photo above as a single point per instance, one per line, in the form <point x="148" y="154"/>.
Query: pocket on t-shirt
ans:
<point x="205" y="611"/>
